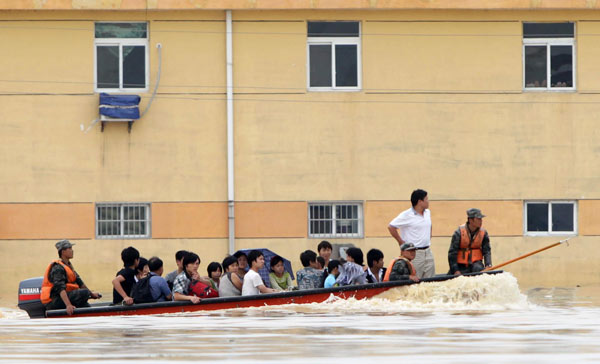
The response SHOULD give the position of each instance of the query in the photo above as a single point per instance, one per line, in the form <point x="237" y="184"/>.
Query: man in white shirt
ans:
<point x="414" y="226"/>
<point x="253" y="283"/>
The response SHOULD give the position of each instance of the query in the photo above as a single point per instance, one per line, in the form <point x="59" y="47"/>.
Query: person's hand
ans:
<point x="195" y="299"/>
<point x="457" y="273"/>
<point x="95" y="295"/>
<point x="196" y="276"/>
<point x="70" y="309"/>
<point x="128" y="300"/>
<point x="414" y="278"/>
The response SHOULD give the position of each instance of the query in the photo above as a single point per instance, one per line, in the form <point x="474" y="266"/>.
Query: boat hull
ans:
<point x="223" y="303"/>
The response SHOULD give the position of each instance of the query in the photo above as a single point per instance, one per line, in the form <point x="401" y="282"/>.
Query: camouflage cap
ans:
<point x="474" y="213"/>
<point x="63" y="244"/>
<point x="408" y="247"/>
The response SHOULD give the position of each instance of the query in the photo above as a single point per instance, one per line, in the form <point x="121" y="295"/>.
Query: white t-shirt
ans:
<point x="414" y="227"/>
<point x="251" y="282"/>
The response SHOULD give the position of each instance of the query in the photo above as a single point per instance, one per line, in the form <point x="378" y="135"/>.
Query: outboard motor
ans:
<point x="29" y="297"/>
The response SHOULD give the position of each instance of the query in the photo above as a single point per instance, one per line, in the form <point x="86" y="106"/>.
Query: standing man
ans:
<point x="415" y="227"/>
<point x="470" y="245"/>
<point x="62" y="287"/>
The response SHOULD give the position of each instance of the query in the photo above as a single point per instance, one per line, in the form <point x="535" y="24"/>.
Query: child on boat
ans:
<point x="334" y="272"/>
<point x="214" y="274"/>
<point x="279" y="278"/>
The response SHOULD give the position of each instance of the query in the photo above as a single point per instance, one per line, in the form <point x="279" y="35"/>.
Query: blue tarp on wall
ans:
<point x="120" y="106"/>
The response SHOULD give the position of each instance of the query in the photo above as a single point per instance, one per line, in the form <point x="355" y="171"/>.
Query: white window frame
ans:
<point x="333" y="41"/>
<point x="122" y="205"/>
<point x="334" y="235"/>
<point x="548" y="42"/>
<point x="550" y="232"/>
<point x="122" y="42"/>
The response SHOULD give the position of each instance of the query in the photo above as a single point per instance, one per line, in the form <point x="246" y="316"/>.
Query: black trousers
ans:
<point x="475" y="267"/>
<point x="78" y="298"/>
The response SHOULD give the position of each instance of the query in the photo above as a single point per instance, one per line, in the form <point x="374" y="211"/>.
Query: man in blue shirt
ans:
<point x="158" y="285"/>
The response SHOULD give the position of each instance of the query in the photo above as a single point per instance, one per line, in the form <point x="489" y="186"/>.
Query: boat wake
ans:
<point x="486" y="292"/>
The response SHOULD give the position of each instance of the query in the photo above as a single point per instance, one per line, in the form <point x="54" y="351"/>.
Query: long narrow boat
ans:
<point x="29" y="299"/>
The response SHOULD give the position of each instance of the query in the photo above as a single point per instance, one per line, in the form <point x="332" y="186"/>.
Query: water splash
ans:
<point x="480" y="293"/>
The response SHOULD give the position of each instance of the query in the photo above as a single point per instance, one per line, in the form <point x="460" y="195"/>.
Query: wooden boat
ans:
<point x="29" y="299"/>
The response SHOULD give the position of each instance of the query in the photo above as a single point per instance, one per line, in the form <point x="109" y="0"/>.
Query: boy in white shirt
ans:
<point x="253" y="283"/>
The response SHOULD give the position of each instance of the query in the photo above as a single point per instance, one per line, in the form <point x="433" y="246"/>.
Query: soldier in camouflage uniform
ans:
<point x="57" y="277"/>
<point x="402" y="268"/>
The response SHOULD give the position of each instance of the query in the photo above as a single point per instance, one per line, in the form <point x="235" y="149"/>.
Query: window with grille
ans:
<point x="122" y="220"/>
<point x="335" y="220"/>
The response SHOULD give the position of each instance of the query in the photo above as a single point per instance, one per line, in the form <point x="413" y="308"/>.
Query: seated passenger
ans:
<point x="181" y="285"/>
<point x="253" y="283"/>
<point x="141" y="270"/>
<point x="125" y="278"/>
<point x="158" y="285"/>
<point x="321" y="263"/>
<point x="376" y="270"/>
<point x="62" y="287"/>
<point x="242" y="259"/>
<point x="231" y="283"/>
<point x="279" y="278"/>
<point x="179" y="261"/>
<point x="352" y="272"/>
<point x="324" y="249"/>
<point x="309" y="277"/>
<point x="334" y="272"/>
<point x="401" y="268"/>
<point x="214" y="274"/>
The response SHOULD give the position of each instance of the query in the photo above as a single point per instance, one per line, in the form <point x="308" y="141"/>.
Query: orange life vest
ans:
<point x="388" y="272"/>
<point x="47" y="285"/>
<point x="470" y="251"/>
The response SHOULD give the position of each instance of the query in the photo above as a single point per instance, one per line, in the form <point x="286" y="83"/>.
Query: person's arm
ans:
<point x="80" y="283"/>
<point x="453" y="252"/>
<point x="289" y="282"/>
<point x="394" y="231"/>
<point x="274" y="283"/>
<point x="179" y="287"/>
<point x="119" y="288"/>
<point x="237" y="281"/>
<point x="182" y="297"/>
<point x="264" y="289"/>
<point x="68" y="305"/>
<point x="164" y="289"/>
<point x="58" y="277"/>
<point x="486" y="249"/>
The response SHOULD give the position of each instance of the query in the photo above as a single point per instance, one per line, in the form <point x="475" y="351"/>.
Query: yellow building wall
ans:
<point x="448" y="56"/>
<point x="47" y="221"/>
<point x="468" y="135"/>
<point x="189" y="220"/>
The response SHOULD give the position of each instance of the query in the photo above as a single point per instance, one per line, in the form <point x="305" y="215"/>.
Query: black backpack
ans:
<point x="141" y="291"/>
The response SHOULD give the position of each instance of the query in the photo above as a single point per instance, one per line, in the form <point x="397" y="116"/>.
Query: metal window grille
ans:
<point x="120" y="220"/>
<point x="335" y="220"/>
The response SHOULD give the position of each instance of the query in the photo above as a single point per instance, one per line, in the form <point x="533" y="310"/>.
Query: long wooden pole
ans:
<point x="526" y="255"/>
